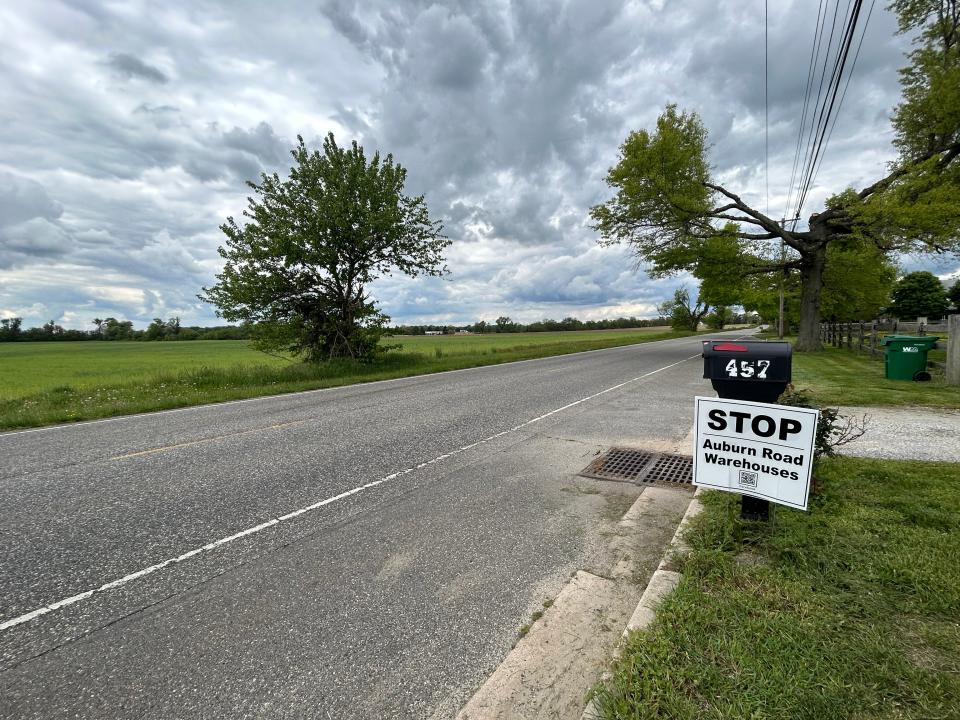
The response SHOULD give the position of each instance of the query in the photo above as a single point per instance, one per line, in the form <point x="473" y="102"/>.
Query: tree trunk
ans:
<point x="811" y="283"/>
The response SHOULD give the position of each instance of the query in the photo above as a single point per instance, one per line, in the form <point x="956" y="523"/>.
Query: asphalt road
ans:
<point x="360" y="552"/>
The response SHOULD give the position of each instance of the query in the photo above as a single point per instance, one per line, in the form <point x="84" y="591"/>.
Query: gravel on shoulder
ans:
<point x="906" y="433"/>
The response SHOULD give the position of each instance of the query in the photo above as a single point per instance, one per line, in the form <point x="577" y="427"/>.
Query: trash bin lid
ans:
<point x="906" y="337"/>
<point x="910" y="340"/>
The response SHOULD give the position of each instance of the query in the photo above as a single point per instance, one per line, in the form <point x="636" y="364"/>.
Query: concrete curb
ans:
<point x="552" y="667"/>
<point x="663" y="582"/>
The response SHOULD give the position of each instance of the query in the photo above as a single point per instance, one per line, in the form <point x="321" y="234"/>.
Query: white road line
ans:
<point x="113" y="584"/>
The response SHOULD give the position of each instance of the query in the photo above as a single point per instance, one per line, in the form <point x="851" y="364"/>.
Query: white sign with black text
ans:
<point x="758" y="449"/>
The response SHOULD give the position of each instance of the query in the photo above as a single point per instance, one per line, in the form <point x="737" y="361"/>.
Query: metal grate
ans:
<point x="638" y="466"/>
<point x="671" y="468"/>
<point x="618" y="464"/>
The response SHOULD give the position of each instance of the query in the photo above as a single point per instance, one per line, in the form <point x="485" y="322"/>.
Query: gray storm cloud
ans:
<point x="132" y="67"/>
<point x="128" y="136"/>
<point x="29" y="228"/>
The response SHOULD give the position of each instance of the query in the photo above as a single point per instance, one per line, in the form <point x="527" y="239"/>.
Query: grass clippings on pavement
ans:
<point x="850" y="610"/>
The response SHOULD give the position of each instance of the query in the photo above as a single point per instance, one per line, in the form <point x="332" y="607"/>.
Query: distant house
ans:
<point x="433" y="332"/>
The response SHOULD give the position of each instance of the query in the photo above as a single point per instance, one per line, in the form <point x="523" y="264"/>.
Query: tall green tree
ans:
<point x="301" y="265"/>
<point x="857" y="282"/>
<point x="684" y="312"/>
<point x="114" y="329"/>
<point x="720" y="317"/>
<point x="919" y="294"/>
<point x="10" y="329"/>
<point x="714" y="257"/>
<point x="953" y="295"/>
<point x="668" y="207"/>
<point x="505" y="324"/>
<point x="156" y="330"/>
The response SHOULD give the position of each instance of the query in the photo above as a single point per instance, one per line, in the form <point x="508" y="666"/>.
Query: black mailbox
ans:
<point x="747" y="369"/>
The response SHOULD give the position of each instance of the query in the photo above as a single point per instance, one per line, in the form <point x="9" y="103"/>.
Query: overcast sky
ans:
<point x="129" y="128"/>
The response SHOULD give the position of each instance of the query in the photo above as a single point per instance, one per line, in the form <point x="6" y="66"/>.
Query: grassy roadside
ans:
<point x="851" y="610"/>
<point x="148" y="390"/>
<point x="836" y="376"/>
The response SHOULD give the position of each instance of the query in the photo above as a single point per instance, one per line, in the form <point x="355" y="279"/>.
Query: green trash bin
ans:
<point x="906" y="356"/>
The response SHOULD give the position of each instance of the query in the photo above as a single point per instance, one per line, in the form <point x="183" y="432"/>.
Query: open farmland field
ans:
<point x="43" y="383"/>
<point x="28" y="368"/>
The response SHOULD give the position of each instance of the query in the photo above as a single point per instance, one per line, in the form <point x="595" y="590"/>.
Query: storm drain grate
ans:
<point x="671" y="468"/>
<point x="638" y="466"/>
<point x="619" y="464"/>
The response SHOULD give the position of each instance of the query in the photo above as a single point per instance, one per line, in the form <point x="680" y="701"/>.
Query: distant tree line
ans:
<point x="505" y="324"/>
<point x="12" y="330"/>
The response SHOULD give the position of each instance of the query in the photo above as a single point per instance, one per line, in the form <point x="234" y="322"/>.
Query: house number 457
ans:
<point x="748" y="368"/>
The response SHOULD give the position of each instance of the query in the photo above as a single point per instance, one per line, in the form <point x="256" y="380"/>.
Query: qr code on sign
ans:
<point x="748" y="479"/>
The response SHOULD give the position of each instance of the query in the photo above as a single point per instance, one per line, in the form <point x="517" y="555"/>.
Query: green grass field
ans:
<point x="849" y="610"/>
<point x="44" y="383"/>
<point x="30" y="368"/>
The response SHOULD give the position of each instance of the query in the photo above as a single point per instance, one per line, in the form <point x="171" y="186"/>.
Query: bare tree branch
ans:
<point x="849" y="430"/>
<point x="794" y="239"/>
<point x="760" y="269"/>
<point x="731" y="206"/>
<point x="756" y="236"/>
<point x="738" y="218"/>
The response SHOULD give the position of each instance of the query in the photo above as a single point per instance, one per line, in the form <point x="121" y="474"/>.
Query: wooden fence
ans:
<point x="866" y="336"/>
<point x="899" y="327"/>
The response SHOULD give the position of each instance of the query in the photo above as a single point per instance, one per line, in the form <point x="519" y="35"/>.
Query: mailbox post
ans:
<point x="748" y="370"/>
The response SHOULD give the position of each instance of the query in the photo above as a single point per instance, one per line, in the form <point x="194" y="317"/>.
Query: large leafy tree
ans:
<point x="857" y="282"/>
<point x="10" y="329"/>
<point x="301" y="265"/>
<point x="919" y="294"/>
<point x="670" y="210"/>
<point x="953" y="294"/>
<point x="684" y="312"/>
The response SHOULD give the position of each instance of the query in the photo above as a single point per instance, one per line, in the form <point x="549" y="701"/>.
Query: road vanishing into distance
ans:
<point x="360" y="552"/>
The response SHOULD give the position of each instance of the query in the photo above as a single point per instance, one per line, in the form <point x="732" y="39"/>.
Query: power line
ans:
<point x="843" y="95"/>
<point x="766" y="98"/>
<point x="814" y="48"/>
<point x="841" y="59"/>
<point x="819" y="105"/>
<point x="824" y="110"/>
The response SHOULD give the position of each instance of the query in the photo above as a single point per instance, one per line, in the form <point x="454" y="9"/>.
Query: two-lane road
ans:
<point x="359" y="552"/>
